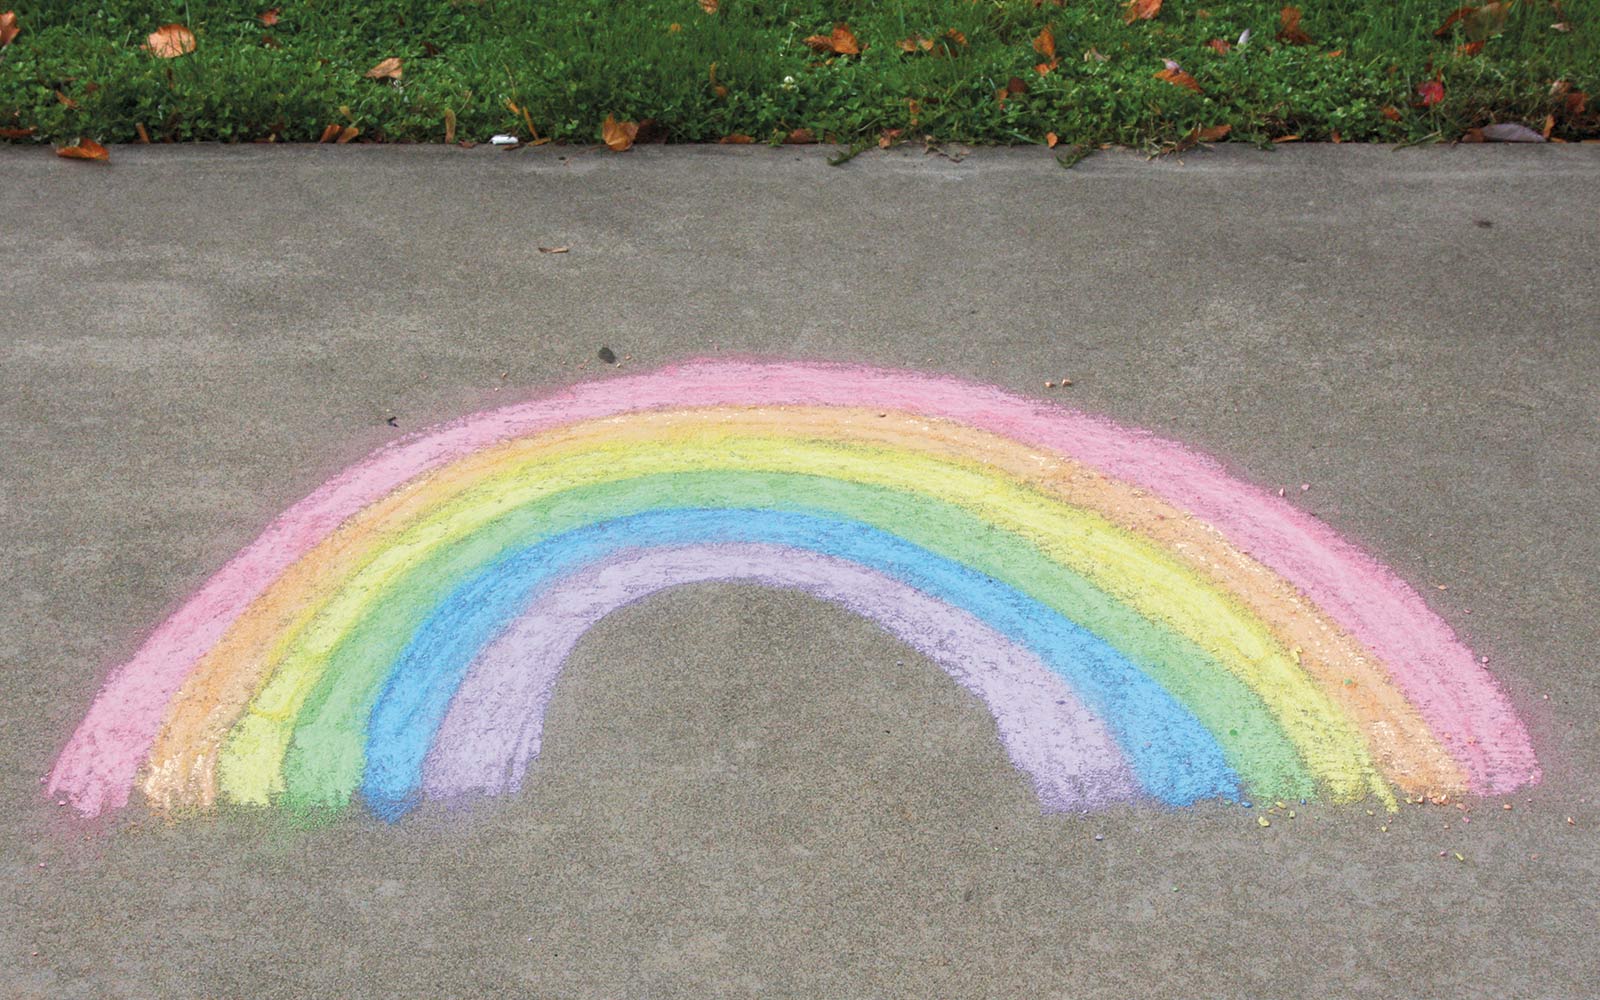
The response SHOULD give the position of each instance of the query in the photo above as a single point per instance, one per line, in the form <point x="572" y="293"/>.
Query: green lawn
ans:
<point x="78" y="68"/>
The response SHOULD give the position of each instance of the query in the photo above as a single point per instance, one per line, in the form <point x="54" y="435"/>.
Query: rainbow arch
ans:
<point x="1140" y="624"/>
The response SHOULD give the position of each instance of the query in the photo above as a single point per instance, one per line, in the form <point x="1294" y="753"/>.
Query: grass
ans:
<point x="77" y="69"/>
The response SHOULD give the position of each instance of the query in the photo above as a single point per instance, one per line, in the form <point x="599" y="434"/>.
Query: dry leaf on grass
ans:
<point x="709" y="6"/>
<point x="842" y="42"/>
<point x="269" y="17"/>
<point x="1290" y="33"/>
<point x="1175" y="75"/>
<point x="1140" y="10"/>
<point x="389" y="69"/>
<point x="170" y="41"/>
<point x="8" y="28"/>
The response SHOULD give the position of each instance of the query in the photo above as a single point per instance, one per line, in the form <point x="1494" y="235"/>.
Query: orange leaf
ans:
<point x="144" y="137"/>
<point x="1215" y="133"/>
<point x="16" y="133"/>
<point x="1287" y="138"/>
<point x="1178" y="78"/>
<point x="1220" y="46"/>
<point x="86" y="149"/>
<point x="1431" y="92"/>
<point x="449" y="126"/>
<point x="844" y="42"/>
<point x="800" y="137"/>
<point x="1335" y="137"/>
<point x="170" y="41"/>
<point x="736" y="139"/>
<point x="1335" y="54"/>
<point x="349" y="132"/>
<point x="389" y="69"/>
<point x="914" y="43"/>
<point x="331" y="133"/>
<point x="1391" y="112"/>
<point x="709" y="6"/>
<point x="618" y="135"/>
<point x="956" y="37"/>
<point x="1576" y="102"/>
<point x="1050" y="139"/>
<point x="64" y="99"/>
<point x="1449" y="22"/>
<point x="1045" y="44"/>
<point x="1140" y="10"/>
<point x="1290" y="33"/>
<point x="1549" y="125"/>
<point x="269" y="17"/>
<point x="1469" y="49"/>
<point x="889" y="138"/>
<point x="8" y="28"/>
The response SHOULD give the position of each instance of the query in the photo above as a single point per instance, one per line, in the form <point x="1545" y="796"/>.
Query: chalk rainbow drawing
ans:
<point x="1141" y="625"/>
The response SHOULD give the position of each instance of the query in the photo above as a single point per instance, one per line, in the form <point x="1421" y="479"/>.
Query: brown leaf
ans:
<point x="170" y="41"/>
<point x="1287" y="138"/>
<point x="85" y="149"/>
<point x="1220" y="46"/>
<point x="1093" y="54"/>
<point x="555" y="249"/>
<point x="915" y="43"/>
<point x="1473" y="135"/>
<point x="1431" y="92"/>
<point x="144" y="137"/>
<point x="1469" y="49"/>
<point x="841" y="43"/>
<point x="800" y="137"/>
<point x="1335" y="54"/>
<point x="889" y="138"/>
<point x="1140" y="10"/>
<point x="64" y="99"/>
<point x="1335" y="138"/>
<point x="736" y="139"/>
<point x="1214" y="133"/>
<point x="8" y="28"/>
<point x="1456" y="15"/>
<point x="709" y="6"/>
<point x="449" y="126"/>
<point x="1391" y="112"/>
<point x="1045" y="43"/>
<point x="389" y="69"/>
<point x="618" y="135"/>
<point x="1050" y="139"/>
<point x="1576" y="102"/>
<point x="956" y="37"/>
<point x="347" y="133"/>
<point x="1549" y="126"/>
<point x="270" y="17"/>
<point x="16" y="133"/>
<point x="1178" y="78"/>
<point x="331" y="133"/>
<point x="1290" y="33"/>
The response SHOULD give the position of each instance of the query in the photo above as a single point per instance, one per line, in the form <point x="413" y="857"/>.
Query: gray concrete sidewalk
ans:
<point x="744" y="793"/>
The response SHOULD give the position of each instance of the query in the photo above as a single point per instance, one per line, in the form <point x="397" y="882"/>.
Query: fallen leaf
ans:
<point x="914" y="106"/>
<point x="1045" y="43"/>
<point x="1178" y="78"/>
<point x="1050" y="139"/>
<point x="270" y="17"/>
<point x="554" y="249"/>
<point x="889" y="138"/>
<point x="1014" y="86"/>
<point x="1335" y="138"/>
<point x="1095" y="55"/>
<point x="1290" y="32"/>
<point x="618" y="135"/>
<point x="1287" y="138"/>
<point x="16" y="133"/>
<point x="1220" y="46"/>
<point x="1456" y="15"/>
<point x="736" y="139"/>
<point x="144" y="137"/>
<point x="914" y="43"/>
<point x="1431" y="92"/>
<point x="1564" y="27"/>
<point x="800" y="137"/>
<point x="1511" y="132"/>
<point x="64" y="99"/>
<point x="1549" y="126"/>
<point x="1140" y="10"/>
<point x="8" y="28"/>
<point x="331" y="133"/>
<point x="1215" y="133"/>
<point x="85" y="149"/>
<point x="1469" y="49"/>
<point x="1577" y="101"/>
<point x="956" y="37"/>
<point x="1391" y="112"/>
<point x="842" y="42"/>
<point x="170" y="41"/>
<point x="349" y="132"/>
<point x="389" y="69"/>
<point x="709" y="6"/>
<point x="1335" y="54"/>
<point x="449" y="126"/>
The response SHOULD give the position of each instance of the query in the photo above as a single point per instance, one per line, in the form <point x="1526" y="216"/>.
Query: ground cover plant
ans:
<point x="1158" y="74"/>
